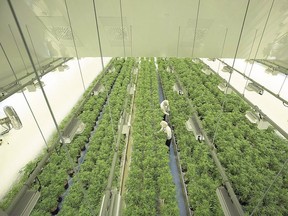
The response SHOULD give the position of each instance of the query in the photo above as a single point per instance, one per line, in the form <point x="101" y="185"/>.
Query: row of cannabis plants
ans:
<point x="62" y="164"/>
<point x="251" y="157"/>
<point x="149" y="188"/>
<point x="5" y="202"/>
<point x="200" y="174"/>
<point x="86" y="195"/>
<point x="95" y="115"/>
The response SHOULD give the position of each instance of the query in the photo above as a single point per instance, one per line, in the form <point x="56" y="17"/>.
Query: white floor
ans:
<point x="63" y="90"/>
<point x="271" y="106"/>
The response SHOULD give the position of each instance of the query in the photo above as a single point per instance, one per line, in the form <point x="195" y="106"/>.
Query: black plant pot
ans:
<point x="76" y="160"/>
<point x="59" y="199"/>
<point x="71" y="173"/>
<point x="66" y="185"/>
<point x="54" y="211"/>
<point x="86" y="186"/>
<point x="83" y="148"/>
<point x="184" y="168"/>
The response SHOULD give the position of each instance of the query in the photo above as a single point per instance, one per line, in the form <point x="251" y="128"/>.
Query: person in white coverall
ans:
<point x="166" y="129"/>
<point x="165" y="108"/>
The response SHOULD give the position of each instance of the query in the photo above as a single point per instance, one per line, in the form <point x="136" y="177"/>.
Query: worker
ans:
<point x="166" y="129"/>
<point x="165" y="108"/>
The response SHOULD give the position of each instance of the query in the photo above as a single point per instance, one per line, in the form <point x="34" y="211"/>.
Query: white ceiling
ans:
<point x="183" y="28"/>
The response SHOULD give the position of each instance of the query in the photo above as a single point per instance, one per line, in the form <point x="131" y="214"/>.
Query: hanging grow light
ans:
<point x="111" y="70"/>
<point x="110" y="203"/>
<point x="250" y="61"/>
<point x="135" y="70"/>
<point x="63" y="67"/>
<point x="225" y="88"/>
<point x="271" y="70"/>
<point x="177" y="88"/>
<point x="31" y="88"/>
<point x="206" y="71"/>
<point x="170" y="69"/>
<point x="131" y="88"/>
<point x="227" y="69"/>
<point x="74" y="127"/>
<point x="193" y="125"/>
<point x="257" y="117"/>
<point x="35" y="85"/>
<point x="26" y="203"/>
<point x="196" y="60"/>
<point x="125" y="123"/>
<point x="226" y="203"/>
<point x="98" y="88"/>
<point x="255" y="87"/>
<point x="252" y="117"/>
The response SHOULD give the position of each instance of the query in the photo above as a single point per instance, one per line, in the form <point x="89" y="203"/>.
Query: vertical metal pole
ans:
<point x="101" y="54"/>
<point x="178" y="42"/>
<point x="195" y="32"/>
<point x="250" y="51"/>
<point x="122" y="28"/>
<point x="76" y="51"/>
<point x="222" y="51"/>
<point x="22" y="59"/>
<point x="229" y="79"/>
<point x="34" y="68"/>
<point x="131" y="39"/>
<point x="10" y="65"/>
<point x="282" y="85"/>
<point x="239" y="40"/>
<point x="262" y="34"/>
<point x="247" y="63"/>
<point x="30" y="108"/>
<point x="31" y="41"/>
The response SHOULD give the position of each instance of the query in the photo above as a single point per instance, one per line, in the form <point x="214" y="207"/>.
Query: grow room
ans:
<point x="82" y="131"/>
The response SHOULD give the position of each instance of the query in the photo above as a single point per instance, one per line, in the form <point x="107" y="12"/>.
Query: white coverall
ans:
<point x="165" y="107"/>
<point x="166" y="129"/>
